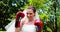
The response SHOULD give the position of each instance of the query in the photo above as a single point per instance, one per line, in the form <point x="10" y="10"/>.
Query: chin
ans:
<point x="30" y="19"/>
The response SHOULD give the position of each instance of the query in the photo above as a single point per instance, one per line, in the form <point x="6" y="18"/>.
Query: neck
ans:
<point x="31" y="20"/>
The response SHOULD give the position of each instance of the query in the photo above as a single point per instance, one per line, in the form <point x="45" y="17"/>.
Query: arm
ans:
<point x="17" y="23"/>
<point x="18" y="29"/>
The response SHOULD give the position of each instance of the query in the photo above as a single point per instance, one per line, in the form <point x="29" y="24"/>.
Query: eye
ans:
<point x="26" y="13"/>
<point x="30" y="13"/>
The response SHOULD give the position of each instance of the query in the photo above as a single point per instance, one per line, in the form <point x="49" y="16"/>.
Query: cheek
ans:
<point x="33" y="15"/>
<point x="30" y="16"/>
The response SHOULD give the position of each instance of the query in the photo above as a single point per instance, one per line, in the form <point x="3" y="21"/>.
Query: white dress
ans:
<point x="28" y="28"/>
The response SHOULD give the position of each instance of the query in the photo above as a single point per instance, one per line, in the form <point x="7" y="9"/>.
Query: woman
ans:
<point x="30" y="22"/>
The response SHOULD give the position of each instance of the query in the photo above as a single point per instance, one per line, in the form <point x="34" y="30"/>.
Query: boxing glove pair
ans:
<point x="21" y="15"/>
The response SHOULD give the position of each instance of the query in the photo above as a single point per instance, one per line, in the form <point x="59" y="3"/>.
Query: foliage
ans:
<point x="45" y="9"/>
<point x="8" y="9"/>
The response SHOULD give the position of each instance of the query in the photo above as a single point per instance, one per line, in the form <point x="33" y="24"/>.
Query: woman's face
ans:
<point x="30" y="14"/>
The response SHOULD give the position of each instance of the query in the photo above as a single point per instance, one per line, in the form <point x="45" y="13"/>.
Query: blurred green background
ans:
<point x="48" y="10"/>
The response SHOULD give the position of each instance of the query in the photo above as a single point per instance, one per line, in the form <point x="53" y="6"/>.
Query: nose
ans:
<point x="28" y="15"/>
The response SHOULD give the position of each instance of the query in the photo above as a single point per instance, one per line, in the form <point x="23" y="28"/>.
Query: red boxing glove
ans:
<point x="38" y="23"/>
<point x="19" y="16"/>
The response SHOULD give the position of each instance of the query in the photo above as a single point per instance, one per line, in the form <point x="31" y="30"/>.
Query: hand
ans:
<point x="39" y="24"/>
<point x="19" y="16"/>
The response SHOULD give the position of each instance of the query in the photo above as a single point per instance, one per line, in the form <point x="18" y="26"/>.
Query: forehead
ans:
<point x="29" y="11"/>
